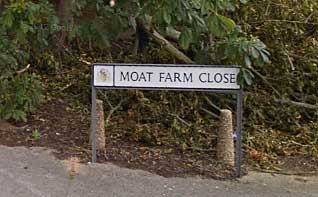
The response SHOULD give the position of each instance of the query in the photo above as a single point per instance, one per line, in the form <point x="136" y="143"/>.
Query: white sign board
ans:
<point x="165" y="76"/>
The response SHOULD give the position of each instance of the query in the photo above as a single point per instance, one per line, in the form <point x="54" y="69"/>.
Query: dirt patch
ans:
<point x="299" y="165"/>
<point x="55" y="125"/>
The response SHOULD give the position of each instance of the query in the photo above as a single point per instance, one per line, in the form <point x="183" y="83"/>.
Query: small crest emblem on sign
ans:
<point x="104" y="75"/>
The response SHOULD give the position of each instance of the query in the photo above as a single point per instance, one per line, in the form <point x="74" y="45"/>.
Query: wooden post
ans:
<point x="225" y="145"/>
<point x="100" y="128"/>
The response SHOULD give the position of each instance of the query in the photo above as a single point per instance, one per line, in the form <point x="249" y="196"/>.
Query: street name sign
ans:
<point x="166" y="76"/>
<point x="211" y="78"/>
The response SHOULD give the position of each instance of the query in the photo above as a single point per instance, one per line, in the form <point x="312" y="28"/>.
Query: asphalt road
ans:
<point x="36" y="173"/>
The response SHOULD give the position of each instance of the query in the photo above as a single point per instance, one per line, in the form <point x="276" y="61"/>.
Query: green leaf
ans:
<point x="199" y="21"/>
<point x="247" y="61"/>
<point x="158" y="18"/>
<point x="244" y="47"/>
<point x="19" y="115"/>
<point x="266" y="52"/>
<point x="206" y="6"/>
<point x="248" y="76"/>
<point x="166" y="16"/>
<point x="31" y="18"/>
<point x="186" y="38"/>
<point x="214" y="26"/>
<point x="240" y="78"/>
<point x="190" y="18"/>
<point x="228" y="23"/>
<point x="264" y="57"/>
<point x="8" y="20"/>
<point x="220" y="25"/>
<point x="24" y="27"/>
<point x="255" y="53"/>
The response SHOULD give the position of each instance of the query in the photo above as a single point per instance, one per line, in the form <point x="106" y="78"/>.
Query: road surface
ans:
<point x="36" y="173"/>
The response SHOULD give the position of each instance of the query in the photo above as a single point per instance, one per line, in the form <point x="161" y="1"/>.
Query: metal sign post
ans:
<point x="239" y="115"/>
<point x="209" y="78"/>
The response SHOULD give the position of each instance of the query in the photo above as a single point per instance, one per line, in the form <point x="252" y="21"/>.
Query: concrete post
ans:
<point x="225" y="144"/>
<point x="100" y="129"/>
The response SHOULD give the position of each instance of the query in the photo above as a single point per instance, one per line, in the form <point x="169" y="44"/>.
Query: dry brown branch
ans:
<point x="113" y="110"/>
<point x="19" y="72"/>
<point x="159" y="39"/>
<point x="211" y="103"/>
<point x="210" y="113"/>
<point x="286" y="21"/>
<point x="265" y="81"/>
<point x="180" y="119"/>
<point x="297" y="104"/>
<point x="85" y="62"/>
